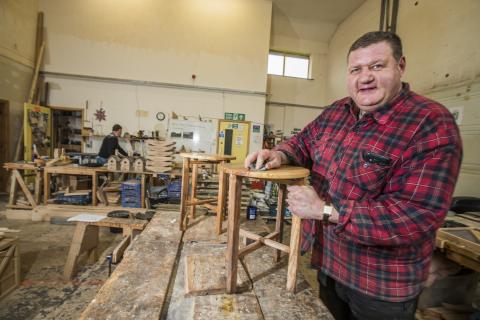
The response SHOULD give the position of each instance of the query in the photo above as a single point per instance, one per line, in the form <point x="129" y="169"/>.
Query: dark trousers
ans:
<point x="347" y="304"/>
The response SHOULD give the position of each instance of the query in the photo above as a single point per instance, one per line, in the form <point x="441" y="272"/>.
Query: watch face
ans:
<point x="160" y="116"/>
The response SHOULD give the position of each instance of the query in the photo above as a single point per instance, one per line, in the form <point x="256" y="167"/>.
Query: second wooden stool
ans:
<point x="194" y="160"/>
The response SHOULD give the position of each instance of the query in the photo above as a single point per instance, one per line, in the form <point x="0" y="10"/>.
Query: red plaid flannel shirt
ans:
<point x="390" y="175"/>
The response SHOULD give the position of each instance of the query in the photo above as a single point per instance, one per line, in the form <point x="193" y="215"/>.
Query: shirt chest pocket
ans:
<point x="320" y="154"/>
<point x="369" y="170"/>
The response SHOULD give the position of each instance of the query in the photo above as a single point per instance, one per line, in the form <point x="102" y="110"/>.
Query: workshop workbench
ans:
<point x="72" y="169"/>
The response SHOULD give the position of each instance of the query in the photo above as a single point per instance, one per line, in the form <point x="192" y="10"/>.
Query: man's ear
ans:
<point x="402" y="63"/>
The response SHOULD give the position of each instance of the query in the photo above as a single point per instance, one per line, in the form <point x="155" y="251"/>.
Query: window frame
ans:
<point x="291" y="54"/>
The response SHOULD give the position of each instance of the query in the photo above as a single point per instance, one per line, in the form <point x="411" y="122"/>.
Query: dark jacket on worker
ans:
<point x="109" y="145"/>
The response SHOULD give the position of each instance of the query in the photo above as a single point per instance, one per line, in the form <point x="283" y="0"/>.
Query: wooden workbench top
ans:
<point x="75" y="169"/>
<point x="150" y="283"/>
<point x="207" y="157"/>
<point x="20" y="166"/>
<point x="282" y="173"/>
<point x="138" y="287"/>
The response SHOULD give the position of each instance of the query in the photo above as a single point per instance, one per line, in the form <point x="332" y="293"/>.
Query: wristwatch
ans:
<point x="327" y="212"/>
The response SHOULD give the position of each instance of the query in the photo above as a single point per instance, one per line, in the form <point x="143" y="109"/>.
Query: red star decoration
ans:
<point x="100" y="115"/>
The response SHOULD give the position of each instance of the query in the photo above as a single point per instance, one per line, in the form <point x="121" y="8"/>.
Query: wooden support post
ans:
<point x="222" y="198"/>
<point x="120" y="249"/>
<point x="142" y="190"/>
<point x="85" y="238"/>
<point x="282" y="192"/>
<point x="94" y="187"/>
<point x="234" y="195"/>
<point x="38" y="186"/>
<point x="46" y="186"/>
<point x="294" y="253"/>
<point x="24" y="187"/>
<point x="193" y="195"/>
<point x="13" y="189"/>
<point x="184" y="194"/>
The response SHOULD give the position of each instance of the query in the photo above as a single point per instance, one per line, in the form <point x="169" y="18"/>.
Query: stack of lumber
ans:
<point x="160" y="156"/>
<point x="4" y="231"/>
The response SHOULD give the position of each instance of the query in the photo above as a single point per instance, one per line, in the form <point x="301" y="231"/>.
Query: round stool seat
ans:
<point x="282" y="173"/>
<point x="207" y="157"/>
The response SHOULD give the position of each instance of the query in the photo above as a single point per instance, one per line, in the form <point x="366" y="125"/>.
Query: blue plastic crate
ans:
<point x="131" y="185"/>
<point x="175" y="186"/>
<point x="174" y="195"/>
<point x="73" y="199"/>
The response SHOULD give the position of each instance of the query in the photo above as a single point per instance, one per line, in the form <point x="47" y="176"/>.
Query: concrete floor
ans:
<point x="43" y="294"/>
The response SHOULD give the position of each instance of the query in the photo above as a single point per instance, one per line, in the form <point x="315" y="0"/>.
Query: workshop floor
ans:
<point x="43" y="294"/>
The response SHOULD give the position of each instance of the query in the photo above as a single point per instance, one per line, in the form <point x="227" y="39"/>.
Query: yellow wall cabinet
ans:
<point x="37" y="126"/>
<point x="233" y="139"/>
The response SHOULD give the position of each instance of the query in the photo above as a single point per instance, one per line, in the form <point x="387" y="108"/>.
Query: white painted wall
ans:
<point x="296" y="90"/>
<point x="289" y="90"/>
<point x="442" y="49"/>
<point x="439" y="38"/>
<point x="18" y="21"/>
<point x="287" y="119"/>
<point x="224" y="43"/>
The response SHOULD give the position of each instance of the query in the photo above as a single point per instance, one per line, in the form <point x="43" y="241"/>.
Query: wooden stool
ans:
<point x="195" y="159"/>
<point x="285" y="175"/>
<point x="85" y="239"/>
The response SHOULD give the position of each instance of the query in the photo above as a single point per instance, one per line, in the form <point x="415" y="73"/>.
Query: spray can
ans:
<point x="252" y="210"/>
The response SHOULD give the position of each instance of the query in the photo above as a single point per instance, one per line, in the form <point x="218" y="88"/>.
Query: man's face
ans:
<point x="374" y="76"/>
<point x="117" y="133"/>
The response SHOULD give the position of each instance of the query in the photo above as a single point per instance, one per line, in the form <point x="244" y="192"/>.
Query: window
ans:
<point x="288" y="65"/>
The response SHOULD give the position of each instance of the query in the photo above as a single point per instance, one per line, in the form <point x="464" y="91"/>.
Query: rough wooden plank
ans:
<point x="138" y="287"/>
<point x="221" y="306"/>
<point x="233" y="307"/>
<point x="276" y="302"/>
<point x="206" y="274"/>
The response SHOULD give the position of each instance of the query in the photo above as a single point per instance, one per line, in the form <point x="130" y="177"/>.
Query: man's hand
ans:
<point x="304" y="202"/>
<point x="271" y="159"/>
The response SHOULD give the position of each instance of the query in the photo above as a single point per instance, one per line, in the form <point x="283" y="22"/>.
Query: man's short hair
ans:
<point x="373" y="37"/>
<point x="116" y="127"/>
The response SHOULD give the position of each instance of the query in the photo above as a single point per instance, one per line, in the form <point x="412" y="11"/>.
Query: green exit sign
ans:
<point x="234" y="116"/>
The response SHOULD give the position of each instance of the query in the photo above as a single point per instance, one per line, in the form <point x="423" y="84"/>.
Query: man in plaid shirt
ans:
<point x="387" y="159"/>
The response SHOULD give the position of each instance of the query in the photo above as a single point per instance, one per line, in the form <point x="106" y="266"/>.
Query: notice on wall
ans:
<point x="239" y="140"/>
<point x="457" y="113"/>
<point x="193" y="135"/>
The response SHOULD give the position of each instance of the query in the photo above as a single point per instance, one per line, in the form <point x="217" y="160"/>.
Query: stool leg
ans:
<point x="294" y="253"/>
<point x="222" y="198"/>
<point x="234" y="196"/>
<point x="184" y="194"/>
<point x="194" y="189"/>
<point x="282" y="192"/>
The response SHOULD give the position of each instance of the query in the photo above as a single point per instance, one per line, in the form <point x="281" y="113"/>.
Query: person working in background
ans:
<point x="110" y="145"/>
<point x="387" y="159"/>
